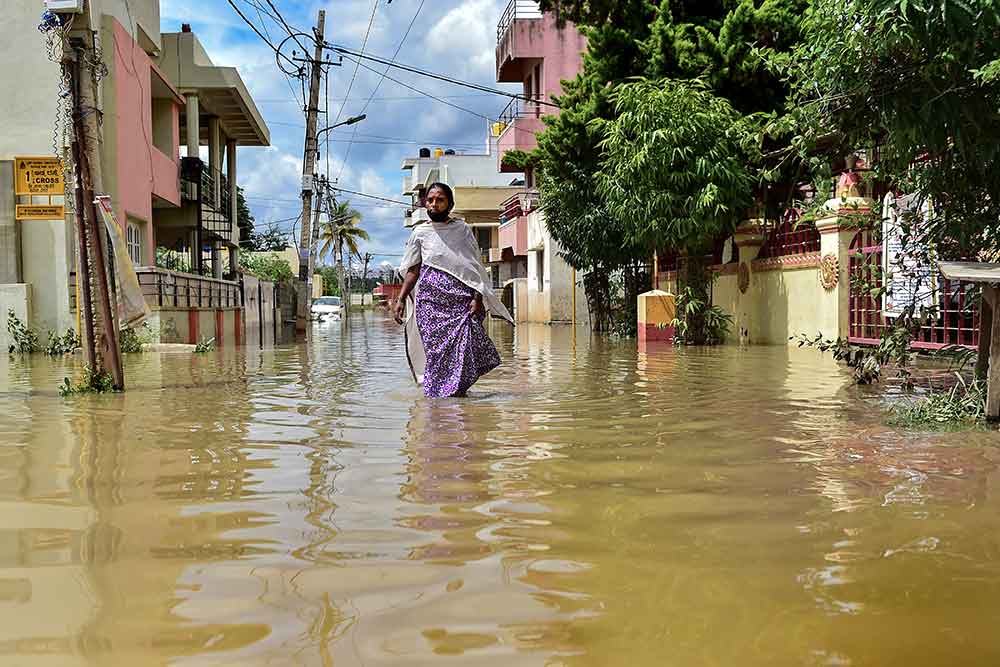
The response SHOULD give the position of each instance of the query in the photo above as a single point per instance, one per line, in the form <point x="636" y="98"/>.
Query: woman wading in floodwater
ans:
<point x="447" y="346"/>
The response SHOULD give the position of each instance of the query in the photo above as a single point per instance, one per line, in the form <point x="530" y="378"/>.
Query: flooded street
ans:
<point x="587" y="506"/>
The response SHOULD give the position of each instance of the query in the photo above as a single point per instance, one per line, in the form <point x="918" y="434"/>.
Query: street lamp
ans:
<point x="350" y="121"/>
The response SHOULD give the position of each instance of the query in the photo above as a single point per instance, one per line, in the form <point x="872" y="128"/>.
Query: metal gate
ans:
<point x="957" y="320"/>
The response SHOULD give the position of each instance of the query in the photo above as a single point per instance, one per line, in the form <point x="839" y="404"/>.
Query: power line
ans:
<point x="354" y="76"/>
<point x="263" y="24"/>
<point x="399" y="47"/>
<point x="444" y="101"/>
<point x="388" y="139"/>
<point x="362" y="194"/>
<point x="384" y="98"/>
<point x="440" y="77"/>
<point x="259" y="33"/>
<point x="425" y="94"/>
<point x="286" y="203"/>
<point x="291" y="33"/>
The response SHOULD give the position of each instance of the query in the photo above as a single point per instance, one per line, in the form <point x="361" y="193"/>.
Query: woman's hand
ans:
<point x="476" y="307"/>
<point x="399" y="311"/>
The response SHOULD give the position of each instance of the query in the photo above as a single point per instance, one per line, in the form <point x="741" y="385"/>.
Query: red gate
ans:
<point x="957" y="320"/>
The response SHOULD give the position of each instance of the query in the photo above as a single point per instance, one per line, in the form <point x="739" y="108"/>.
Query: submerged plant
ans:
<point x="93" y="382"/>
<point x="963" y="404"/>
<point x="58" y="346"/>
<point x="23" y="339"/>
<point x="133" y="340"/>
<point x="697" y="322"/>
<point x="205" y="345"/>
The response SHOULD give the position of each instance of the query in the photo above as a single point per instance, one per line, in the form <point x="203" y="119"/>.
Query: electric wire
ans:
<point x="399" y="47"/>
<point x="440" y="77"/>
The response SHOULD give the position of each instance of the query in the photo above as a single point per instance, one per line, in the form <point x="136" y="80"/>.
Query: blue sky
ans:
<point x="454" y="37"/>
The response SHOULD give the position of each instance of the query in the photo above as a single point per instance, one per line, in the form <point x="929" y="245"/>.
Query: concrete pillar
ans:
<point x="193" y="124"/>
<point x="836" y="232"/>
<point x="10" y="243"/>
<point x="234" y="253"/>
<point x="214" y="158"/>
<point x="748" y="309"/>
<point x="217" y="260"/>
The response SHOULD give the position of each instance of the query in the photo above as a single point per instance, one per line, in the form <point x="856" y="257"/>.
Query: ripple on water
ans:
<point x="587" y="505"/>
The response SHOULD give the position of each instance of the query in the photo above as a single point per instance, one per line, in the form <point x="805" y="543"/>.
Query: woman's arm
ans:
<point x="399" y="308"/>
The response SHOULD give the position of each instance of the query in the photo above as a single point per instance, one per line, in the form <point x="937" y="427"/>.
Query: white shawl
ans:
<point x="450" y="247"/>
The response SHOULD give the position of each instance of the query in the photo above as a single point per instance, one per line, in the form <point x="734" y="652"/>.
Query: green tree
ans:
<point x="920" y="79"/>
<point x="340" y="233"/>
<point x="920" y="82"/>
<point x="677" y="170"/>
<point x="711" y="41"/>
<point x="244" y="218"/>
<point x="267" y="266"/>
<point x="331" y="280"/>
<point x="567" y="161"/>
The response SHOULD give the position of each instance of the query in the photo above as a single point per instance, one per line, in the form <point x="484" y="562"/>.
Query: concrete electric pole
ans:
<point x="308" y="168"/>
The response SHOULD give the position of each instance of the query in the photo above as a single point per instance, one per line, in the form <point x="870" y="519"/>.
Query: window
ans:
<point x="162" y="123"/>
<point x="133" y="237"/>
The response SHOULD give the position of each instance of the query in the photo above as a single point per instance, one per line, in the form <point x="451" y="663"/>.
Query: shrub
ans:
<point x="57" y="346"/>
<point x="266" y="266"/>
<point x="23" y="339"/>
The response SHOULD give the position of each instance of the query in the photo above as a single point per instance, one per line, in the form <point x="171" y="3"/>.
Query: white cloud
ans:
<point x="455" y="37"/>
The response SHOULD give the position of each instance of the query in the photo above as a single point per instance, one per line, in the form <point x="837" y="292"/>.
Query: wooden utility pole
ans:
<point x="102" y="327"/>
<point x="309" y="165"/>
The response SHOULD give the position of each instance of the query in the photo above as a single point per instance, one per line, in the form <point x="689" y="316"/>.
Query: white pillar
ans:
<point x="193" y="126"/>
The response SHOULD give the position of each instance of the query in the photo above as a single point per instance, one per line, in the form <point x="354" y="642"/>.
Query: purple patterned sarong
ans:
<point x="457" y="347"/>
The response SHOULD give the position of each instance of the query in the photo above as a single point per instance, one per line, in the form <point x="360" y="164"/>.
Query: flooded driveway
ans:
<point x="587" y="506"/>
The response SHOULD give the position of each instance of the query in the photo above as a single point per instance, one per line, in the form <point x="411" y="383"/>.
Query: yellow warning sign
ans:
<point x="38" y="176"/>
<point x="40" y="212"/>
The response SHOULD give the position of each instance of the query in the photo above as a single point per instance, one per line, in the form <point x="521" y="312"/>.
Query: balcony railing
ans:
<point x="209" y="188"/>
<point x="517" y="205"/>
<point x="169" y="289"/>
<point x="518" y="108"/>
<point x="517" y="9"/>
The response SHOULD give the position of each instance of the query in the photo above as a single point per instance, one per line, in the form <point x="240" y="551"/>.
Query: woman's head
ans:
<point x="440" y="201"/>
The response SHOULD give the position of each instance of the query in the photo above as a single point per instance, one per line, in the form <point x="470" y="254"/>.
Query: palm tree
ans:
<point x="340" y="232"/>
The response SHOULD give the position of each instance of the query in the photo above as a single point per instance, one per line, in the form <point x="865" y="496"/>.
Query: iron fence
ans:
<point x="791" y="237"/>
<point x="956" y="321"/>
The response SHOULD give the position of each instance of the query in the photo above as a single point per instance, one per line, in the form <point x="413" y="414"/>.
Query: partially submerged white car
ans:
<point x="327" y="306"/>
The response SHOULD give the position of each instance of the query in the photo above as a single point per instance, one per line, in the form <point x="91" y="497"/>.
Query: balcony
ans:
<point x="208" y="190"/>
<point x="514" y="235"/>
<point x="519" y="205"/>
<point x="520" y="122"/>
<point x="519" y="39"/>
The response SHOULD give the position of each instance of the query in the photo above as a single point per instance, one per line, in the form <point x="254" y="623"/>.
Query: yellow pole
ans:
<point x="656" y="270"/>
<point x="79" y="330"/>
<point x="574" y="297"/>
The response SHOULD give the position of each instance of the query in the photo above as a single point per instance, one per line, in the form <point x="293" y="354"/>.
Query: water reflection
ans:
<point x="588" y="505"/>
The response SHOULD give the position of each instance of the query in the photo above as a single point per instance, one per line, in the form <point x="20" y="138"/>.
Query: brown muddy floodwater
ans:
<point x="587" y="506"/>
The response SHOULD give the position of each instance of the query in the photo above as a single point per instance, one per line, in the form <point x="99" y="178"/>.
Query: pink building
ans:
<point x="178" y="214"/>
<point x="534" y="51"/>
